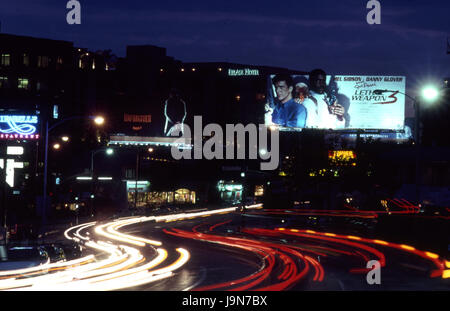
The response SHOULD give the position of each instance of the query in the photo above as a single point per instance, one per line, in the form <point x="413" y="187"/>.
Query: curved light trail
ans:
<point x="115" y="265"/>
<point x="300" y="259"/>
<point x="285" y="257"/>
<point x="294" y="265"/>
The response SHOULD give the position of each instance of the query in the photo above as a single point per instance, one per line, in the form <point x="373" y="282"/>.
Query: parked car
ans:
<point x="55" y="252"/>
<point x="24" y="257"/>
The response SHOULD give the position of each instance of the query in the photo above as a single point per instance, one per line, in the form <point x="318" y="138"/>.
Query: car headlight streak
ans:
<point x="116" y="265"/>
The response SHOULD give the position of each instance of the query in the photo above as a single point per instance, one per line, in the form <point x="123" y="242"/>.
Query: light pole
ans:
<point x="136" y="182"/>
<point x="417" y="109"/>
<point x="108" y="151"/>
<point x="98" y="120"/>
<point x="428" y="94"/>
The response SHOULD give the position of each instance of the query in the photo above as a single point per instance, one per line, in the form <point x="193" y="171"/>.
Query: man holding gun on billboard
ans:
<point x="328" y="113"/>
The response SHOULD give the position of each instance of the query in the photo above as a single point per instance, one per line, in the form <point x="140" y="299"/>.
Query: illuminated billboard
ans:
<point x="19" y="127"/>
<point x="341" y="102"/>
<point x="137" y="122"/>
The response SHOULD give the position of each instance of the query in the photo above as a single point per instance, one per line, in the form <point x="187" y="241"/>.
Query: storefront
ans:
<point x="180" y="196"/>
<point x="142" y="197"/>
<point x="230" y="191"/>
<point x="145" y="197"/>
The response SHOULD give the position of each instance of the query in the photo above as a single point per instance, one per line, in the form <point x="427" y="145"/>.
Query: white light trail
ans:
<point x="116" y="266"/>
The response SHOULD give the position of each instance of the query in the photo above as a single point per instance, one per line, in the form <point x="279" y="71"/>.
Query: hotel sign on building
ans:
<point x="243" y="72"/>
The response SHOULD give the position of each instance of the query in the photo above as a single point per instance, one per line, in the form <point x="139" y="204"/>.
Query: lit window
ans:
<point x="55" y="112"/>
<point x="3" y="82"/>
<point x="23" y="84"/>
<point x="42" y="61"/>
<point x="6" y="59"/>
<point x="259" y="190"/>
<point x="26" y="59"/>
<point x="84" y="62"/>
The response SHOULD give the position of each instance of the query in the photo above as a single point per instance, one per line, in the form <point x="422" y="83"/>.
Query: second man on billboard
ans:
<point x="323" y="113"/>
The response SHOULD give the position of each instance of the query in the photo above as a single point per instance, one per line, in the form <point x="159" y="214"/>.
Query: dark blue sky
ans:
<point x="303" y="35"/>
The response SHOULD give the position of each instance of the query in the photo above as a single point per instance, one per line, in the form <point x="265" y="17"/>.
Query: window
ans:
<point x="23" y="84"/>
<point x="59" y="62"/>
<point x="3" y="82"/>
<point x="42" y="61"/>
<point x="41" y="86"/>
<point x="6" y="60"/>
<point x="259" y="190"/>
<point x="55" y="112"/>
<point x="26" y="59"/>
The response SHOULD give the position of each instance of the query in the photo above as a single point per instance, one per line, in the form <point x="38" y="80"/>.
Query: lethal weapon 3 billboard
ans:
<point x="343" y="102"/>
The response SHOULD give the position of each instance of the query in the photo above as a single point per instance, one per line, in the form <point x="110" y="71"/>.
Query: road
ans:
<point x="225" y="249"/>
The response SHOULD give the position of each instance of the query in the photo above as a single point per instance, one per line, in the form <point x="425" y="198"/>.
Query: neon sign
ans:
<point x="18" y="127"/>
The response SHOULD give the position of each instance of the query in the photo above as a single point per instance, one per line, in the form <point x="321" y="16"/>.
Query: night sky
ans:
<point x="301" y="35"/>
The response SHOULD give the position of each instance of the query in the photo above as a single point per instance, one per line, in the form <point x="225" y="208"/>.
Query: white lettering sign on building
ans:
<point x="243" y="72"/>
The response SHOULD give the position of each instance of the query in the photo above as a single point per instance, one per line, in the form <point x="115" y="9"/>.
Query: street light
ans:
<point x="56" y="146"/>
<point x="108" y="151"/>
<point x="98" y="120"/>
<point x="429" y="94"/>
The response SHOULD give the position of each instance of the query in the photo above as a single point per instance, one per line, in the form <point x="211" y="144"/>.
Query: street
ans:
<point x="228" y="250"/>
